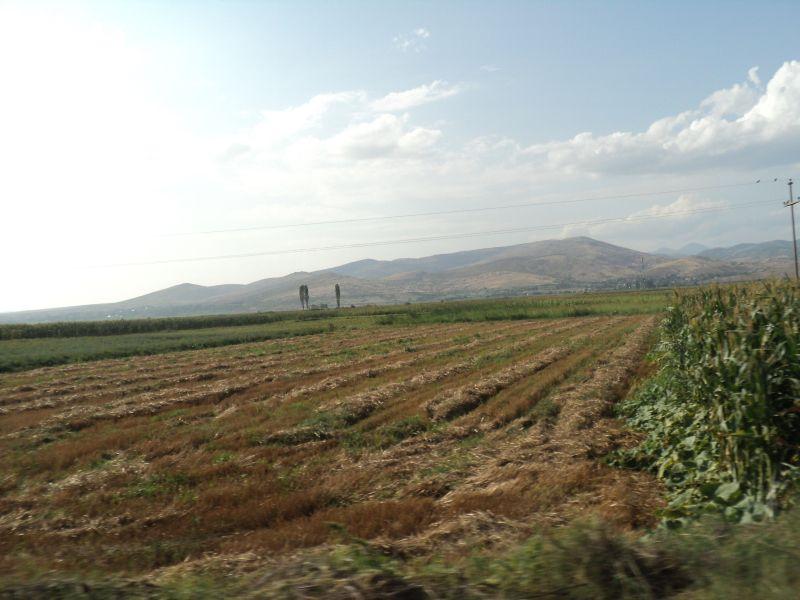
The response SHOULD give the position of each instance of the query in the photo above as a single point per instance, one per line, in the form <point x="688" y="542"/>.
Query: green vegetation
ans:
<point x="19" y="354"/>
<point x="30" y="346"/>
<point x="461" y="310"/>
<point x="386" y="435"/>
<point x="528" y="307"/>
<point x="148" y="325"/>
<point x="722" y="416"/>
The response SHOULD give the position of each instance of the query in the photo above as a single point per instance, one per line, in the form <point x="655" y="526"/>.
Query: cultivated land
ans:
<point x="426" y="437"/>
<point x="27" y="346"/>
<point x="508" y="448"/>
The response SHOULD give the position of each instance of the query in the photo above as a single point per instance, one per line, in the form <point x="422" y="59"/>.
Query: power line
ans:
<point x="453" y="236"/>
<point x="464" y="210"/>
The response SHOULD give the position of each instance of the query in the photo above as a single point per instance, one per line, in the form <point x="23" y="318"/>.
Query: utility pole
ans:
<point x="642" y="273"/>
<point x="790" y="203"/>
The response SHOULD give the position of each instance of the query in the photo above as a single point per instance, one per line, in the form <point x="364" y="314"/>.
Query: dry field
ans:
<point x="432" y="438"/>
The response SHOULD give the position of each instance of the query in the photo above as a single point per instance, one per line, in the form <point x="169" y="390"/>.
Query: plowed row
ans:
<point x="397" y="434"/>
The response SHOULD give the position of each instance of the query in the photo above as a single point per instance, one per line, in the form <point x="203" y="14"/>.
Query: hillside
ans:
<point x="766" y="259"/>
<point x="751" y="252"/>
<point x="551" y="265"/>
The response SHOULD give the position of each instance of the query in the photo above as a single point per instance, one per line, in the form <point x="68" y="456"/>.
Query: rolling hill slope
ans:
<point x="551" y="265"/>
<point x="764" y="250"/>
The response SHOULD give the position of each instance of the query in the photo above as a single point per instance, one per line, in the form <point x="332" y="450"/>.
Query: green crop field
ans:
<point x="28" y="346"/>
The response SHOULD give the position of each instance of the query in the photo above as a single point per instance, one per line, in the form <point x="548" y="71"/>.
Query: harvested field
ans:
<point x="430" y="437"/>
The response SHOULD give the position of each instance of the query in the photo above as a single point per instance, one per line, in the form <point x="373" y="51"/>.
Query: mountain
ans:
<point x="184" y="293"/>
<point x="687" y="250"/>
<point x="750" y="252"/>
<point x="371" y="269"/>
<point x="554" y="259"/>
<point x="766" y="259"/>
<point x="538" y="267"/>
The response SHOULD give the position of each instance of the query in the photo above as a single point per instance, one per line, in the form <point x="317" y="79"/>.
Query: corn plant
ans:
<point x="723" y="413"/>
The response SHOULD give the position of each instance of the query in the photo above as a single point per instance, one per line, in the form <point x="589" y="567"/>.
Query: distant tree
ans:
<point x="304" y="296"/>
<point x="338" y="295"/>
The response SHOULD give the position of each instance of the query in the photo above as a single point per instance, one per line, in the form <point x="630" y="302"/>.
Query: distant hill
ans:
<point x="554" y="259"/>
<point x="552" y="265"/>
<point x="765" y="259"/>
<point x="762" y="251"/>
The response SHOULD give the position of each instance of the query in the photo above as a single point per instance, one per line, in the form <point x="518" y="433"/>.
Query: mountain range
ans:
<point x="571" y="264"/>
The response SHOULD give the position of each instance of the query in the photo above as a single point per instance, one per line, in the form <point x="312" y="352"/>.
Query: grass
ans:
<point x="386" y="435"/>
<point x="520" y="307"/>
<point x="530" y="307"/>
<point x="21" y="354"/>
<point x="29" y="346"/>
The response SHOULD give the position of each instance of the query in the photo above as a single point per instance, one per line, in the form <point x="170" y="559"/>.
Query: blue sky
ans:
<point x="124" y="122"/>
<point x="600" y="66"/>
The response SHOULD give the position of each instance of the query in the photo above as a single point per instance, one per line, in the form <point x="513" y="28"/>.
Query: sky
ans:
<point x="134" y="136"/>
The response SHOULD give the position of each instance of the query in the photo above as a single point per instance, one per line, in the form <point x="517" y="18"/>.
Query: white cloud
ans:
<point x="334" y="153"/>
<point x="677" y="220"/>
<point x="386" y="135"/>
<point x="736" y="126"/>
<point x="332" y="158"/>
<point x="489" y="68"/>
<point x="412" y="42"/>
<point x="752" y="76"/>
<point x="423" y="94"/>
<point x="353" y="157"/>
<point x="275" y="127"/>
<point x="731" y="102"/>
<point x="682" y="208"/>
<point x="313" y="134"/>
